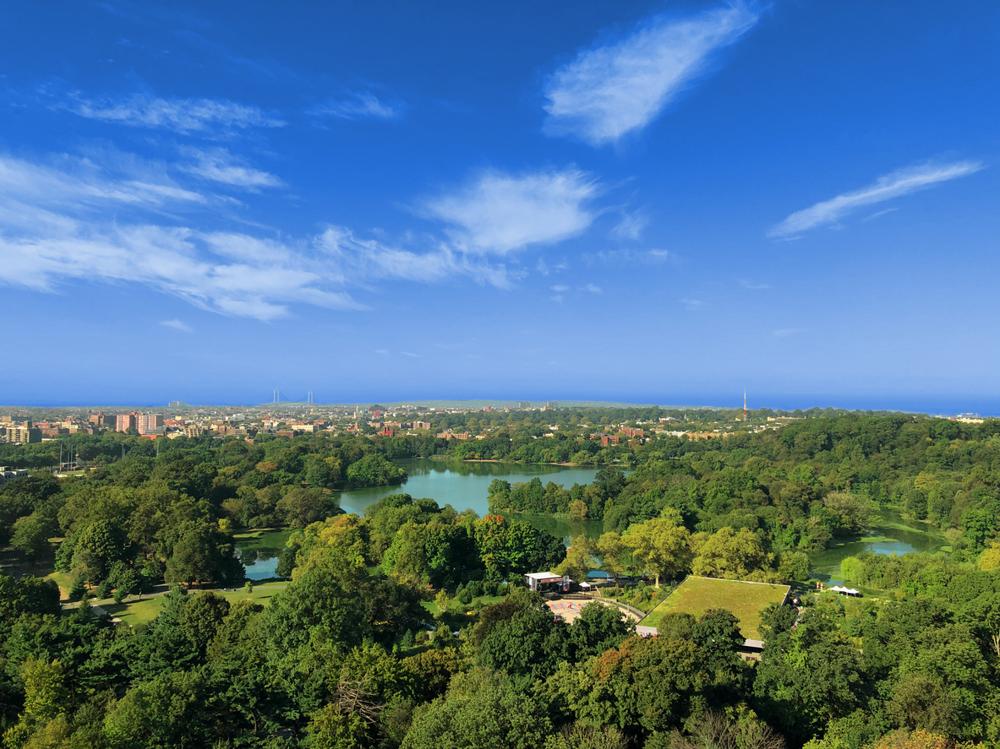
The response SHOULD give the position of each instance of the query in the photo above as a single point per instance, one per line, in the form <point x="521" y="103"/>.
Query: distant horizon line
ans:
<point x="940" y="406"/>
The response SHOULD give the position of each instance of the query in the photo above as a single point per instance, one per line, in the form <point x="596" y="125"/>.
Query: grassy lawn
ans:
<point x="64" y="580"/>
<point x="460" y="615"/>
<point x="643" y="597"/>
<point x="696" y="595"/>
<point x="270" y="540"/>
<point x="454" y="604"/>
<point x="138" y="613"/>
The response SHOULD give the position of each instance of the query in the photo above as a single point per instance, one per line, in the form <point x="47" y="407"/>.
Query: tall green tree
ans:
<point x="661" y="546"/>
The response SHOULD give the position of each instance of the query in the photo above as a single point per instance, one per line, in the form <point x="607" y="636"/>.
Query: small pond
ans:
<point x="890" y="534"/>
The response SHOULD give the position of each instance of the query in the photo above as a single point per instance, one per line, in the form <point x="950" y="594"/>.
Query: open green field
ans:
<point x="268" y="540"/>
<point x="139" y="613"/>
<point x="477" y="603"/>
<point x="696" y="595"/>
<point x="64" y="580"/>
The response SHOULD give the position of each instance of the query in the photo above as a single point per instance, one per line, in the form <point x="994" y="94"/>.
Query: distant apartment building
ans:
<point x="20" y="434"/>
<point x="101" y="420"/>
<point x="49" y="430"/>
<point x="126" y="422"/>
<point x="422" y="426"/>
<point x="148" y="423"/>
<point x="450" y="435"/>
<point x="633" y="432"/>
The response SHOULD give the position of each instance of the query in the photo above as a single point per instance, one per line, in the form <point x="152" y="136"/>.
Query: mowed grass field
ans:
<point x="138" y="613"/>
<point x="744" y="600"/>
<point x="270" y="540"/>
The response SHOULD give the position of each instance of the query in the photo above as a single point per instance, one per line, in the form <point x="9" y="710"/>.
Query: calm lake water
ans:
<point x="263" y="568"/>
<point x="464" y="486"/>
<point x="890" y="535"/>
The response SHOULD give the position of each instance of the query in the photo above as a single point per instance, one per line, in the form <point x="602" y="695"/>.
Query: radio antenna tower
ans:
<point x="744" y="405"/>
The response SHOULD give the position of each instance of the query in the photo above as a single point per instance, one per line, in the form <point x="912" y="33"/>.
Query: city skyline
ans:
<point x="654" y="203"/>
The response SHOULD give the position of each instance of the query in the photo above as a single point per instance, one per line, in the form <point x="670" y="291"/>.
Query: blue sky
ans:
<point x="658" y="202"/>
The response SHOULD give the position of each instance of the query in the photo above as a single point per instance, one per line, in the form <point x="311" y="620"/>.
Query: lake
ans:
<point x="464" y="486"/>
<point x="890" y="534"/>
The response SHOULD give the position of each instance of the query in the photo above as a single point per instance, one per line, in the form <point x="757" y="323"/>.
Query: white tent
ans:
<point x="846" y="591"/>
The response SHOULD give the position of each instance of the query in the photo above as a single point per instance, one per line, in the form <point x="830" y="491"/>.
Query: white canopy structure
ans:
<point x="846" y="591"/>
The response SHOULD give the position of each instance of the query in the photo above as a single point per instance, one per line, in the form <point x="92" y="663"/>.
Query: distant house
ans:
<point x="633" y="432"/>
<point x="7" y="474"/>
<point x="751" y="649"/>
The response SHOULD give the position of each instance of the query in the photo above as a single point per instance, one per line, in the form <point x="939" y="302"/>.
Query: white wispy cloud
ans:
<point x="593" y="288"/>
<point x="691" y="304"/>
<point x="358" y="105"/>
<point x="631" y="225"/>
<point x="367" y="257"/>
<point x="501" y="213"/>
<point x="77" y="183"/>
<point x="879" y="214"/>
<point x="613" y="89"/>
<point x="629" y="257"/>
<point x="544" y="269"/>
<point x="177" y="115"/>
<point x="51" y="197"/>
<point x="74" y="220"/>
<point x="172" y="260"/>
<point x="746" y="283"/>
<point x="178" y="325"/>
<point x="221" y="166"/>
<point x="893" y="185"/>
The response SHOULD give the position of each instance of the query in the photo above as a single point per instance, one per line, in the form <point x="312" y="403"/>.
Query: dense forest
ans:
<point x="409" y="626"/>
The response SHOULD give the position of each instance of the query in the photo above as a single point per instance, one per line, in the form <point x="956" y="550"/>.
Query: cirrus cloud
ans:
<point x="893" y="185"/>
<point x="177" y="115"/>
<point x="358" y="105"/>
<point x="72" y="221"/>
<point x="500" y="213"/>
<point x="220" y="166"/>
<point x="179" y="325"/>
<point x="614" y="89"/>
